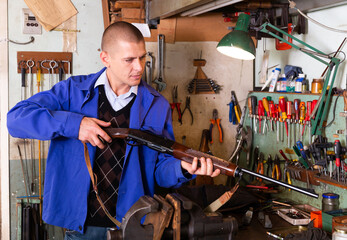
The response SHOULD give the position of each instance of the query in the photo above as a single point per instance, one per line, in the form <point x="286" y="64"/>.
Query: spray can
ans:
<point x="274" y="79"/>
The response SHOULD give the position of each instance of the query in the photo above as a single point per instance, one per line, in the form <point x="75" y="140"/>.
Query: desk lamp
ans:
<point x="238" y="44"/>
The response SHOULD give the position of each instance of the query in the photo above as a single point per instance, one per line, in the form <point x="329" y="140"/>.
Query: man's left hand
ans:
<point x="206" y="167"/>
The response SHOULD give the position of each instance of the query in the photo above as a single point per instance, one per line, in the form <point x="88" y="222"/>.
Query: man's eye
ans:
<point x="128" y="60"/>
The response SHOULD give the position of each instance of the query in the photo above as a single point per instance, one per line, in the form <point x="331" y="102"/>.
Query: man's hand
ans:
<point x="206" y="167"/>
<point x="90" y="131"/>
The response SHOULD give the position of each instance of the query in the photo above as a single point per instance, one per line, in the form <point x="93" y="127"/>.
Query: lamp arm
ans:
<point x="311" y="52"/>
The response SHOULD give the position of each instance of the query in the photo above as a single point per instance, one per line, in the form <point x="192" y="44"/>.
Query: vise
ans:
<point x="175" y="217"/>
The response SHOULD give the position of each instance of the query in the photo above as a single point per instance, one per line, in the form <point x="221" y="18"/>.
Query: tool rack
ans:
<point x="313" y="178"/>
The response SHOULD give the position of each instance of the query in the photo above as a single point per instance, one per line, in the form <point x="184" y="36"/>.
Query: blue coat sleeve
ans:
<point x="45" y="116"/>
<point x="168" y="171"/>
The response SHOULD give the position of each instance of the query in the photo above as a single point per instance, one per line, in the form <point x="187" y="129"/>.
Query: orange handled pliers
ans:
<point x="276" y="171"/>
<point x="216" y="120"/>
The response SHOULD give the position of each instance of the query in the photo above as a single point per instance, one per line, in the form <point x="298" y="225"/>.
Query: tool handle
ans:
<point x="220" y="130"/>
<point x="266" y="106"/>
<point x="302" y="111"/>
<point x="211" y="128"/>
<point x="297" y="109"/>
<point x="254" y="104"/>
<point x="283" y="155"/>
<point x="237" y="113"/>
<point x="282" y="105"/>
<point x="272" y="110"/>
<point x="23" y="71"/>
<point x="249" y="104"/>
<point x="178" y="106"/>
<point x="231" y="111"/>
<point x="61" y="72"/>
<point x="345" y="100"/>
<point x="314" y="102"/>
<point x="309" y="110"/>
<point x="337" y="149"/>
<point x="260" y="108"/>
<point x="289" y="109"/>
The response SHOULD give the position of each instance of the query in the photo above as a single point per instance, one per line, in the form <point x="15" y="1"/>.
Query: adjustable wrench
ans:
<point x="161" y="85"/>
<point x="149" y="65"/>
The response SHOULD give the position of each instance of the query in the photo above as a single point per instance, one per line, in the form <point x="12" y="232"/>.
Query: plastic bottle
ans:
<point x="290" y="84"/>
<point x="305" y="86"/>
<point x="283" y="83"/>
<point x="298" y="83"/>
<point x="274" y="79"/>
<point x="330" y="202"/>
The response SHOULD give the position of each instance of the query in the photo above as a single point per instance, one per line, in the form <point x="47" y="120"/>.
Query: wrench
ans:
<point x="30" y="64"/>
<point x="149" y="65"/>
<point x="161" y="85"/>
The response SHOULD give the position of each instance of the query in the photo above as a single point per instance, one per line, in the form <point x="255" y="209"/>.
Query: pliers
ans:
<point x="276" y="171"/>
<point x="188" y="107"/>
<point x="234" y="109"/>
<point x="176" y="104"/>
<point x="216" y="120"/>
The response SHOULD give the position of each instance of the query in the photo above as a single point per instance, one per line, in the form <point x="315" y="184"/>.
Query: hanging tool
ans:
<point x="176" y="104"/>
<point x="234" y="109"/>
<point x="267" y="113"/>
<point x="307" y="118"/>
<point x="345" y="110"/>
<point x="52" y="65"/>
<point x="276" y="171"/>
<point x="277" y="117"/>
<point x="302" y="118"/>
<point x="216" y="120"/>
<point x="252" y="107"/>
<point x="269" y="163"/>
<point x="161" y="85"/>
<point x="260" y="166"/>
<point x="297" y="117"/>
<point x="61" y="71"/>
<point x="337" y="149"/>
<point x="149" y="65"/>
<point x="68" y="74"/>
<point x="188" y="107"/>
<point x="289" y="121"/>
<point x="30" y="64"/>
<point x="282" y="108"/>
<point x="260" y="113"/>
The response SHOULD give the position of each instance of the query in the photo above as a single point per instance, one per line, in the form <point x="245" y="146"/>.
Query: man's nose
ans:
<point x="138" y="65"/>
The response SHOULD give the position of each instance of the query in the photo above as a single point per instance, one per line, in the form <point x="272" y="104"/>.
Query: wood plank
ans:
<point x="167" y="27"/>
<point x="126" y="4"/>
<point x="133" y="13"/>
<point x="205" y="27"/>
<point x="167" y="8"/>
<point x="105" y="13"/>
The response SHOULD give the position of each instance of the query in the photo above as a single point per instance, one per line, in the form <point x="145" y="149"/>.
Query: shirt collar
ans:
<point x="102" y="80"/>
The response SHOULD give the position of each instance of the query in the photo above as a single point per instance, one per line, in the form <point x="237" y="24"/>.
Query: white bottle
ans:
<point x="274" y="79"/>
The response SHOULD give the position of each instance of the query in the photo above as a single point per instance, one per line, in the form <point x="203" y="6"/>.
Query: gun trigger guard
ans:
<point x="135" y="144"/>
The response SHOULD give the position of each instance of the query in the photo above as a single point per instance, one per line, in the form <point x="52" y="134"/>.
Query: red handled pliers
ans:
<point x="176" y="104"/>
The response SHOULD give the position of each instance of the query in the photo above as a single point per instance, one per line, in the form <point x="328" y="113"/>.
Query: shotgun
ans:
<point x="187" y="154"/>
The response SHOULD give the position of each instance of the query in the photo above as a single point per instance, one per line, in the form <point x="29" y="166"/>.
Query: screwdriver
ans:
<point x="254" y="111"/>
<point x="272" y="114"/>
<point x="297" y="115"/>
<point x="260" y="113"/>
<point x="307" y="118"/>
<point x="302" y="118"/>
<point x="282" y="106"/>
<point x="314" y="102"/>
<point x="289" y="116"/>
<point x="250" y="111"/>
<point x="276" y="114"/>
<point x="266" y="107"/>
<point x="337" y="149"/>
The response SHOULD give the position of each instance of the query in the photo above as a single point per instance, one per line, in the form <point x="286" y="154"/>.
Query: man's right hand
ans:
<point x="90" y="131"/>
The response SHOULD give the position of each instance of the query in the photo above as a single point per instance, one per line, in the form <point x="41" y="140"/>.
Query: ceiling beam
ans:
<point x="168" y="8"/>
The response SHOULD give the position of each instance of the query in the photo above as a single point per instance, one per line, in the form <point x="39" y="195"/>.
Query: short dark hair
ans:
<point x="120" y="30"/>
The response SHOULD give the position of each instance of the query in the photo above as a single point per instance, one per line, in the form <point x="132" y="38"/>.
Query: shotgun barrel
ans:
<point x="187" y="154"/>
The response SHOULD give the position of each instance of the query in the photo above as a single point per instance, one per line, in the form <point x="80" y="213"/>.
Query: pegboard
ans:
<point x="63" y="59"/>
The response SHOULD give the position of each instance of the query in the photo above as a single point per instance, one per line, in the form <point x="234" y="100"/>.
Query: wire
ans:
<point x="292" y="5"/>
<point x="32" y="39"/>
<point x="344" y="55"/>
<point x="331" y="122"/>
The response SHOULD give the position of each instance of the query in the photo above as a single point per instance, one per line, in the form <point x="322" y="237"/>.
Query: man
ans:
<point x="76" y="110"/>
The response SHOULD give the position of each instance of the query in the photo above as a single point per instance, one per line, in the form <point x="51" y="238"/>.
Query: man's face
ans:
<point x="125" y="63"/>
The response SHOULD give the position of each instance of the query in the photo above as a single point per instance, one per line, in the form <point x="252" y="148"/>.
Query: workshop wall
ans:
<point x="318" y="37"/>
<point x="231" y="74"/>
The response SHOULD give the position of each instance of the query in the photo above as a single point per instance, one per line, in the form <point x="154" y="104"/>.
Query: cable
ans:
<point x="292" y="5"/>
<point x="344" y="55"/>
<point x="32" y="39"/>
<point x="331" y="122"/>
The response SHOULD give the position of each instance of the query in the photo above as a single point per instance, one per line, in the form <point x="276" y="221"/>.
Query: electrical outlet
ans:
<point x="30" y="24"/>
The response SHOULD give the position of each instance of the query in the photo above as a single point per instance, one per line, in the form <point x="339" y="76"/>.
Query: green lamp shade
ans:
<point x="238" y="44"/>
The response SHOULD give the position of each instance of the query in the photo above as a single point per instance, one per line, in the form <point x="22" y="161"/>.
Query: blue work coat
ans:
<point x="56" y="115"/>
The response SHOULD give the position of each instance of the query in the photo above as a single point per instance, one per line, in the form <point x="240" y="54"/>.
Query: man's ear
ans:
<point x="105" y="58"/>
